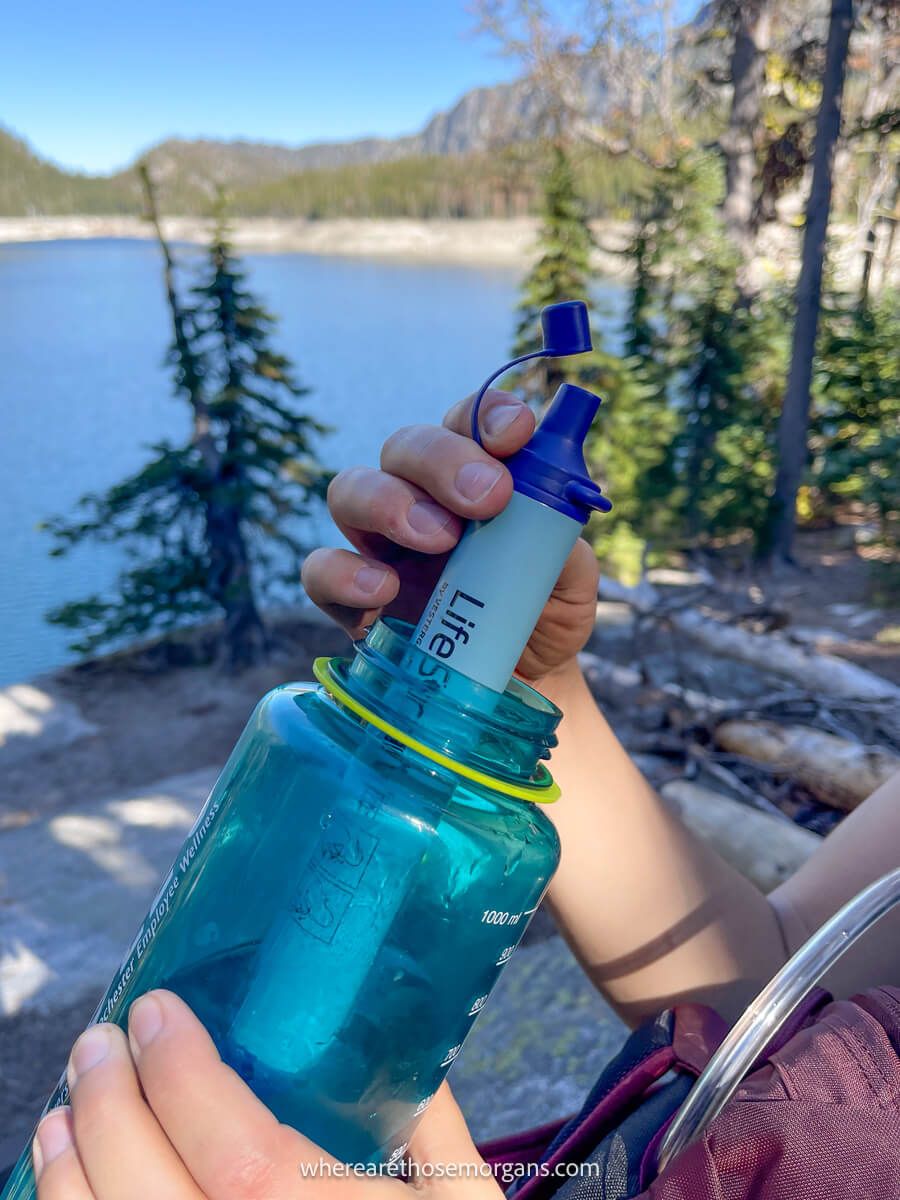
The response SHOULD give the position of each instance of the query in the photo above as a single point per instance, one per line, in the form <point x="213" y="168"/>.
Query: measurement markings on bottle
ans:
<point x="423" y="1104"/>
<point x="451" y="1055"/>
<point x="505" y="955"/>
<point x="478" y="1005"/>
<point x="495" y="916"/>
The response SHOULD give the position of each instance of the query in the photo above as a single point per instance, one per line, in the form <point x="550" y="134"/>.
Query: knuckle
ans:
<point x="386" y="514"/>
<point x="340" y="485"/>
<point x="312" y="565"/>
<point x="249" y="1174"/>
<point x="408" y="442"/>
<point x="61" y="1176"/>
<point x="397" y="441"/>
<point x="457" y="412"/>
<point x="99" y="1113"/>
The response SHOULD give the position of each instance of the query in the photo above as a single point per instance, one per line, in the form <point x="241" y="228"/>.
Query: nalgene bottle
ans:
<point x="361" y="873"/>
<point x="376" y="844"/>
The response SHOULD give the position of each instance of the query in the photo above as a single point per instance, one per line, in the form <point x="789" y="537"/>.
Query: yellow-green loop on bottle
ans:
<point x="543" y="789"/>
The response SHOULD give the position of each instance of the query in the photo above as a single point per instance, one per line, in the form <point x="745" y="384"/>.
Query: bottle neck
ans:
<point x="505" y="736"/>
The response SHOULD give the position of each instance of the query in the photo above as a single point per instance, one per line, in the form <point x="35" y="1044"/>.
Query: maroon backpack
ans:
<point x="818" y="1118"/>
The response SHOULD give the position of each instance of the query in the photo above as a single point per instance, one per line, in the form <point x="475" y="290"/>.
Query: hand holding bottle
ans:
<point x="405" y="518"/>
<point x="159" y="1114"/>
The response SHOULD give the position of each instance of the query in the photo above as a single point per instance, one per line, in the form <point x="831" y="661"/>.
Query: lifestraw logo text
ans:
<point x="457" y="620"/>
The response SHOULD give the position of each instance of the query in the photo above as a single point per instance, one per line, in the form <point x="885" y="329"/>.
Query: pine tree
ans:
<point x="632" y="426"/>
<point x="855" y="428"/>
<point x="210" y="525"/>
<point x="562" y="272"/>
<point x="712" y="360"/>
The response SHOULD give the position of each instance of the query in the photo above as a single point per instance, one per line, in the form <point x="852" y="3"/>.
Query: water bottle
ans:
<point x="376" y="844"/>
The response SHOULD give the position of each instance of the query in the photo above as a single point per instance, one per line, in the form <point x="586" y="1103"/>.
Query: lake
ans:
<point x="84" y="390"/>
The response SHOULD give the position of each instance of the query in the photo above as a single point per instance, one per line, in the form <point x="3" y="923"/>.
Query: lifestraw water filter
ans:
<point x="496" y="582"/>
<point x="376" y="844"/>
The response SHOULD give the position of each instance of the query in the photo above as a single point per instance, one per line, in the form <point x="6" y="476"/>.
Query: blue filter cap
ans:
<point x="551" y="467"/>
<point x="566" y="328"/>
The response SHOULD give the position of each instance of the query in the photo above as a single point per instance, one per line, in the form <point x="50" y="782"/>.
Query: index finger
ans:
<point x="505" y="423"/>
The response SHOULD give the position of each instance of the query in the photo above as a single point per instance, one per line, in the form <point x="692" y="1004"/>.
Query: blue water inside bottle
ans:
<point x="360" y="875"/>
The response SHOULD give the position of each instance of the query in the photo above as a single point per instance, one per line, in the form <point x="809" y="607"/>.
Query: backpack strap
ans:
<point x="679" y="1040"/>
<point x="883" y="1004"/>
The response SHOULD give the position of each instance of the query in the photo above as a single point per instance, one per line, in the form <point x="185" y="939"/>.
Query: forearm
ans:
<point x="654" y="915"/>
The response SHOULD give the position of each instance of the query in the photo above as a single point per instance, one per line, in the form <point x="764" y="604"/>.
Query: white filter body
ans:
<point x="494" y="587"/>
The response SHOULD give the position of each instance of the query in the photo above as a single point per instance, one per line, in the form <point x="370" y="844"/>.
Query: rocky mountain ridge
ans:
<point x="483" y="119"/>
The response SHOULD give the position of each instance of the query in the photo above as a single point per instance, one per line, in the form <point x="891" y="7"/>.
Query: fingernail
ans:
<point x="428" y="518"/>
<point x="475" y="480"/>
<point x="91" y="1049"/>
<point x="53" y="1138"/>
<point x="145" y="1019"/>
<point x="369" y="579"/>
<point x="500" y="417"/>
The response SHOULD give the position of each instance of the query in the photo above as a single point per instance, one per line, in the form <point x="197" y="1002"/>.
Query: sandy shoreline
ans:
<point x="495" y="242"/>
<point x="508" y="242"/>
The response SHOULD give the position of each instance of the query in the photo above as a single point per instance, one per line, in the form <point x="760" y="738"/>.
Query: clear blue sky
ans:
<point x="90" y="83"/>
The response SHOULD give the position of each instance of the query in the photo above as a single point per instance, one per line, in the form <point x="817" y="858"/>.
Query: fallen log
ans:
<point x="643" y="597"/>
<point x="765" y="849"/>
<point x="819" y="674"/>
<point x="607" y="680"/>
<point x="839" y="772"/>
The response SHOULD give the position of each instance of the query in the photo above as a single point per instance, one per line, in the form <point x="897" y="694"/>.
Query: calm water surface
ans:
<point x="84" y="390"/>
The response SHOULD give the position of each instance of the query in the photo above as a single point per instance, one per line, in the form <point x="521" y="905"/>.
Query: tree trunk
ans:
<point x="191" y="367"/>
<point x="792" y="427"/>
<point x="882" y="86"/>
<point x="738" y="143"/>
<point x="893" y="220"/>
<point x="667" y="71"/>
<point x="230" y="584"/>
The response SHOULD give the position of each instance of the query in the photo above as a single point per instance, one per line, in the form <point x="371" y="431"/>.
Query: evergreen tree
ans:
<point x="209" y="525"/>
<point x="855" y="428"/>
<point x="722" y="440"/>
<point x="561" y="272"/>
<point x="628" y="436"/>
<point x="712" y="360"/>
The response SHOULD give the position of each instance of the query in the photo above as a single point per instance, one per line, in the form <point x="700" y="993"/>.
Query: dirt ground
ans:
<point x="153" y="721"/>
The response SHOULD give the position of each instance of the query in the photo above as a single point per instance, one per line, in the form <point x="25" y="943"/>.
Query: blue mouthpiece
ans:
<point x="551" y="467"/>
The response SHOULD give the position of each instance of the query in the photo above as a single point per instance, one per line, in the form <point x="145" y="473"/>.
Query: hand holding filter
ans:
<point x="496" y="582"/>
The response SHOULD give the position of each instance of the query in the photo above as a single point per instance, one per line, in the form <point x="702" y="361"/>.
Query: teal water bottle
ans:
<point x="353" y="888"/>
<point x="367" y="862"/>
